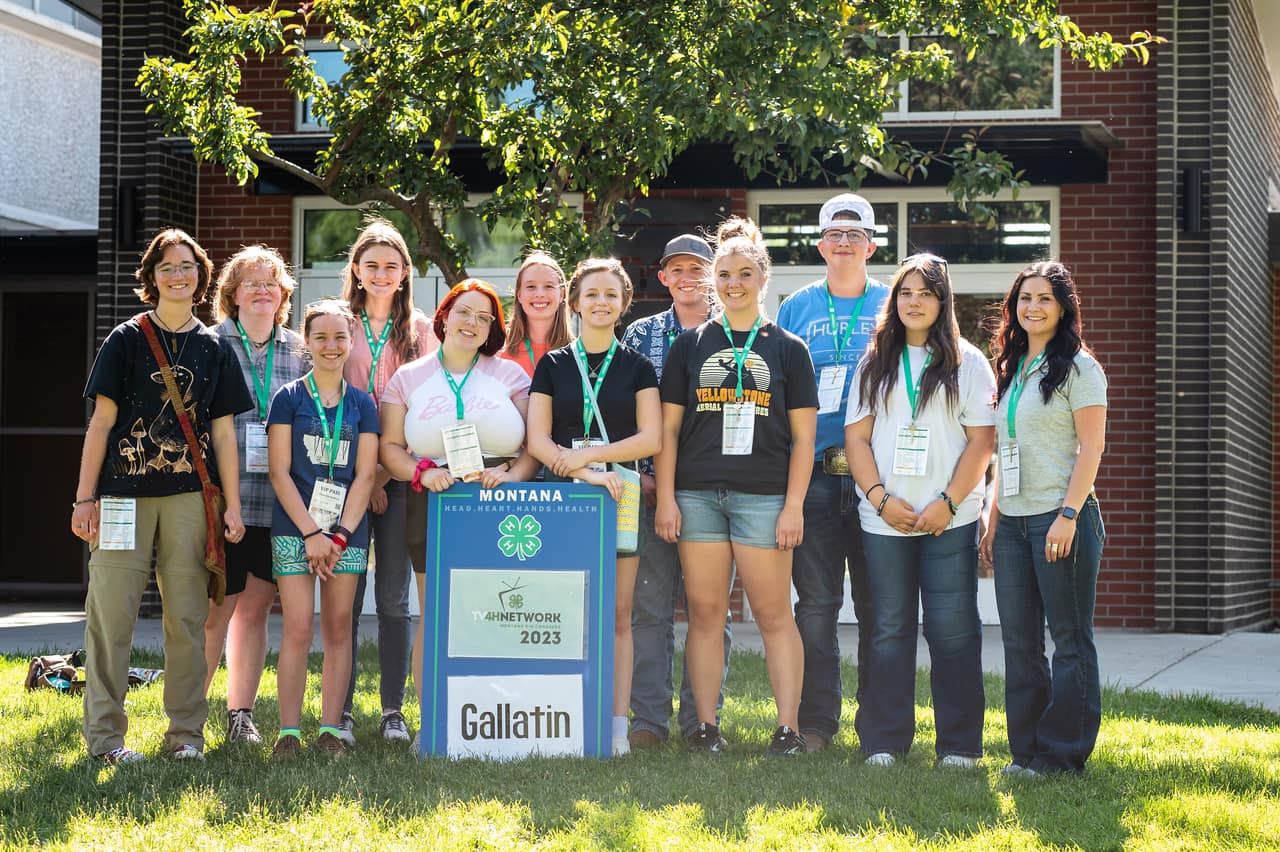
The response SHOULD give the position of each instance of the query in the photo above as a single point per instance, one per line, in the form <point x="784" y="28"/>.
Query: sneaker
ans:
<point x="644" y="738"/>
<point x="286" y="748"/>
<point x="187" y="752"/>
<point x="621" y="746"/>
<point x="393" y="728"/>
<point x="881" y="758"/>
<point x="706" y="737"/>
<point x="786" y="743"/>
<point x="814" y="741"/>
<point x="120" y="755"/>
<point x="330" y="746"/>
<point x="240" y="728"/>
<point x="1013" y="769"/>
<point x="347" y="729"/>
<point x="957" y="761"/>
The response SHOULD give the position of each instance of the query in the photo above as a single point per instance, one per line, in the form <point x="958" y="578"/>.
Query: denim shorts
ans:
<point x="724" y="515"/>
<point x="289" y="557"/>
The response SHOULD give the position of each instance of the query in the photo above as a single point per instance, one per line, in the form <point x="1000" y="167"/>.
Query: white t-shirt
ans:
<point x="488" y="398"/>
<point x="947" y="439"/>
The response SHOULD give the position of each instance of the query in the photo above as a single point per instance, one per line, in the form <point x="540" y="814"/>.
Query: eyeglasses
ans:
<point x="169" y="269"/>
<point x="260" y="286"/>
<point x="854" y="237"/>
<point x="470" y="316"/>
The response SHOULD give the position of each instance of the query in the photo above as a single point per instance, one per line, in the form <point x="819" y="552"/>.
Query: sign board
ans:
<point x="518" y="643"/>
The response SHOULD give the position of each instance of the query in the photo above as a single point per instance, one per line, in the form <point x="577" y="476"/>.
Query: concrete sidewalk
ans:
<point x="1236" y="667"/>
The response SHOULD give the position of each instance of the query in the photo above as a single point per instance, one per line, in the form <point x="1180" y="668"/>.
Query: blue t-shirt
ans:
<point x="804" y="314"/>
<point x="292" y="406"/>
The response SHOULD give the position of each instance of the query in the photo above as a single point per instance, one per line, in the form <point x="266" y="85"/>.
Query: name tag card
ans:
<point x="739" y="430"/>
<point x="831" y="389"/>
<point x="255" y="448"/>
<point x="583" y="443"/>
<point x="911" y="450"/>
<point x="462" y="451"/>
<point x="1010" y="473"/>
<point x="117" y="523"/>
<point x="327" y="501"/>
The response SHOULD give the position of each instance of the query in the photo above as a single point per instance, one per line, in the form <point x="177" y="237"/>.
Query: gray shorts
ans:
<point x="723" y="515"/>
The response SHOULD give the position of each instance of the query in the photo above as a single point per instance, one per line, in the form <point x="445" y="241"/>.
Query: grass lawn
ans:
<point x="1168" y="774"/>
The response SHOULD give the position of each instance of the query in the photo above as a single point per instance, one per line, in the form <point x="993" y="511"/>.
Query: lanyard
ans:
<point x="1015" y="390"/>
<point x="456" y="387"/>
<point x="375" y="346"/>
<point x="740" y="355"/>
<point x="835" y="325"/>
<point x="261" y="387"/>
<point x="913" y="391"/>
<point x="588" y="410"/>
<point x="331" y="438"/>
<point x="528" y="347"/>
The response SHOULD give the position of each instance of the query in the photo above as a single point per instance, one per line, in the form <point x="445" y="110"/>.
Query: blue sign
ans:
<point x="518" y="642"/>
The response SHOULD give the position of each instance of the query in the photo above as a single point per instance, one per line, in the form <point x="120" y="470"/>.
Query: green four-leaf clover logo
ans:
<point x="519" y="536"/>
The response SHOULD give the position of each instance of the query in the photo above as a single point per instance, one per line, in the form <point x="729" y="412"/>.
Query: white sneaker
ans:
<point x="120" y="755"/>
<point x="394" y="728"/>
<point x="187" y="752"/>
<point x="621" y="746"/>
<point x="1013" y="769"/>
<point x="881" y="758"/>
<point x="347" y="729"/>
<point x="957" y="761"/>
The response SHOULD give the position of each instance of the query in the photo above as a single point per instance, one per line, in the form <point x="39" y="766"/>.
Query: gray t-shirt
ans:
<point x="1046" y="436"/>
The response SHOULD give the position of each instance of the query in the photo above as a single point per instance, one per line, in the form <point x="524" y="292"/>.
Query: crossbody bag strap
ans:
<point x="175" y="397"/>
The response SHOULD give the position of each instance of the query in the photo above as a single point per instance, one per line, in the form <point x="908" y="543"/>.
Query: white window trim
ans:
<point x="976" y="278"/>
<point x="904" y="114"/>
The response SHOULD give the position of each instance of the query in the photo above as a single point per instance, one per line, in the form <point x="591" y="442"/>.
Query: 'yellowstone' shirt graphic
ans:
<point x="702" y="375"/>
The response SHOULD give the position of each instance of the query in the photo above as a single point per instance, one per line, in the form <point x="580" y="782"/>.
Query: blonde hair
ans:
<point x="380" y="232"/>
<point x="602" y="264"/>
<point x="519" y="330"/>
<point x="233" y="272"/>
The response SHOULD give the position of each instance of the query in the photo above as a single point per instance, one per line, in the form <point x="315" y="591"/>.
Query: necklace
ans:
<point x="173" y="335"/>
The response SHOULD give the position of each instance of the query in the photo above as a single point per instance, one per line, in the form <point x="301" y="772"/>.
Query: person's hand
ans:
<point x="986" y="547"/>
<point x="322" y="555"/>
<point x="378" y="500"/>
<point x="492" y="477"/>
<point x="666" y="522"/>
<point x="789" y="529"/>
<point x="570" y="460"/>
<point x="234" y="525"/>
<point x="935" y="518"/>
<point x="899" y="515"/>
<point x="649" y="490"/>
<point x="84" y="521"/>
<point x="1057" y="542"/>
<point x="436" y="479"/>
<point x="606" y="479"/>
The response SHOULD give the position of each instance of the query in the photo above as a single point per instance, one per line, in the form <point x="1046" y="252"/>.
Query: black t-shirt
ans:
<point x="147" y="453"/>
<point x="701" y="374"/>
<point x="557" y="376"/>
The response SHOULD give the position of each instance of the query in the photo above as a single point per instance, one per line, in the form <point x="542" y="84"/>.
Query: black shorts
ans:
<point x="251" y="555"/>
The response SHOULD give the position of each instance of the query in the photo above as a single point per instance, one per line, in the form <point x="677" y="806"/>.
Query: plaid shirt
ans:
<point x="291" y="362"/>
<point x="652" y="337"/>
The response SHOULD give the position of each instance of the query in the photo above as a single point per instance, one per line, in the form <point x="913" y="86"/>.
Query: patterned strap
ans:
<point x="175" y="397"/>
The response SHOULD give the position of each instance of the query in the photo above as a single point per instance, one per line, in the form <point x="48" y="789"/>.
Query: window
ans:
<point x="791" y="233"/>
<point x="330" y="65"/>
<point x="65" y="13"/>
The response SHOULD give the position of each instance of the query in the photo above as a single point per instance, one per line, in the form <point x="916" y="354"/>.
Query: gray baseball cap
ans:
<point x="688" y="244"/>
<point x="856" y="212"/>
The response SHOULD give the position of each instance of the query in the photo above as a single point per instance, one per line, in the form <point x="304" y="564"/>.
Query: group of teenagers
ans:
<point x="858" y="433"/>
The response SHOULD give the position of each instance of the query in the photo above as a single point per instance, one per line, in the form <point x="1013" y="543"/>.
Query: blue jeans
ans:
<point x="940" y="573"/>
<point x="659" y="586"/>
<point x="391" y="581"/>
<point x="1053" y="717"/>
<point x="832" y="540"/>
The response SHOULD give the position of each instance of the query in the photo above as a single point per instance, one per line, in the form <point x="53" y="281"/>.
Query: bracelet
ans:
<point x="424" y="465"/>
<point x="84" y="500"/>
<point x="883" y="501"/>
<point x="315" y="531"/>
<point x="344" y="532"/>
<point x="950" y="503"/>
<point x="340" y="540"/>
<point x="867" y="493"/>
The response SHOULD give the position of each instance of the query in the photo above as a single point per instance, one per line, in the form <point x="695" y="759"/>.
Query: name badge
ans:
<point x="327" y="500"/>
<point x="117" y="523"/>
<point x="911" y="451"/>
<point x="1010" y="473"/>
<point x="462" y="452"/>
<point x="739" y="430"/>
<point x="583" y="443"/>
<point x="255" y="448"/>
<point x="831" y="388"/>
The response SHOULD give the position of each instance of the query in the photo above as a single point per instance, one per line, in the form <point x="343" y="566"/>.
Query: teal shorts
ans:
<point x="289" y="556"/>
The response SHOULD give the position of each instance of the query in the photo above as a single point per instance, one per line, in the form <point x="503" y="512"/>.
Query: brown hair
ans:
<point x="233" y="272"/>
<point x="519" y="330"/>
<point x="380" y="232"/>
<point x="327" y="308"/>
<point x="602" y="264"/>
<point x="148" y="292"/>
<point x="497" y="329"/>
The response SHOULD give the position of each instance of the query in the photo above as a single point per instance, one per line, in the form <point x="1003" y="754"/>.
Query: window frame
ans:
<point x="309" y="46"/>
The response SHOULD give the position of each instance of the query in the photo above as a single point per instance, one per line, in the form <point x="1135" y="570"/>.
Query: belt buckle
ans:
<point x="834" y="462"/>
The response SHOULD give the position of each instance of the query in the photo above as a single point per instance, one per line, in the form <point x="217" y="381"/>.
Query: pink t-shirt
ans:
<point x="488" y="399"/>
<point x="361" y="358"/>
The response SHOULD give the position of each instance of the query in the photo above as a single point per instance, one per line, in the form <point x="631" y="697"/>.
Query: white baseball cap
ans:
<point x="852" y="210"/>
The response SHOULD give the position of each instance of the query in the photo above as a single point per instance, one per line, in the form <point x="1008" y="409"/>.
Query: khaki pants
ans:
<point x="175" y="527"/>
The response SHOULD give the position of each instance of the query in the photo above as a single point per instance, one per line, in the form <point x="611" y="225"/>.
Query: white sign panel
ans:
<point x="504" y="718"/>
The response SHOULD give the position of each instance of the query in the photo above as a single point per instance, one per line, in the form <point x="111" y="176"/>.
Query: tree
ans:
<point x="589" y="97"/>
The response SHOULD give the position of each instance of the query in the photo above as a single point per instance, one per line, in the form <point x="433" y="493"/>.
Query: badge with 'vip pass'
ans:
<point x="327" y="500"/>
<point x="739" y="431"/>
<point x="1010" y="470"/>
<point x="911" y="450"/>
<point x="831" y="388"/>
<point x="582" y="444"/>
<point x="462" y="451"/>
<point x="255" y="448"/>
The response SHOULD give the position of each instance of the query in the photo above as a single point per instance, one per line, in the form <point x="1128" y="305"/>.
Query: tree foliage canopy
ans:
<point x="590" y="98"/>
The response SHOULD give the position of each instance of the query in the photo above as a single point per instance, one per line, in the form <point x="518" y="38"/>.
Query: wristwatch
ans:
<point x="1069" y="513"/>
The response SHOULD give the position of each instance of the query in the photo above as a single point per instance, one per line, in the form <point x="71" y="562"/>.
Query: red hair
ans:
<point x="497" y="330"/>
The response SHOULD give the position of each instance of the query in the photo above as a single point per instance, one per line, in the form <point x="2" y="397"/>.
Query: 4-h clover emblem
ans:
<point x="516" y="601"/>
<point x="519" y="536"/>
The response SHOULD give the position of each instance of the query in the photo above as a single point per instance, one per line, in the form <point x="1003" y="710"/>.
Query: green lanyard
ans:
<point x="331" y="438"/>
<point x="261" y="387"/>
<point x="740" y="355"/>
<point x="1015" y="390"/>
<point x="588" y="410"/>
<point x="456" y="387"/>
<point x="375" y="346"/>
<point x="913" y="390"/>
<point x="835" y="325"/>
<point x="528" y="347"/>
